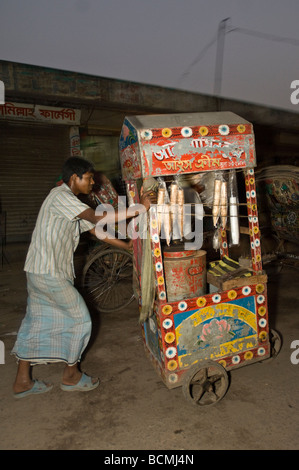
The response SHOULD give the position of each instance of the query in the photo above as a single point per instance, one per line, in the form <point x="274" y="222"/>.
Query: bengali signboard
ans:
<point x="40" y="113"/>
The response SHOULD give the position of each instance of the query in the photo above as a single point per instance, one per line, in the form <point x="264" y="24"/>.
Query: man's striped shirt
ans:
<point x="56" y="234"/>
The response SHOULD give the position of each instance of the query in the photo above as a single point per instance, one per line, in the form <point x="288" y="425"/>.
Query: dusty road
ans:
<point x="132" y="409"/>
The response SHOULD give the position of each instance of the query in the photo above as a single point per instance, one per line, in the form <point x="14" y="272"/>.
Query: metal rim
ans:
<point x="205" y="384"/>
<point x="107" y="279"/>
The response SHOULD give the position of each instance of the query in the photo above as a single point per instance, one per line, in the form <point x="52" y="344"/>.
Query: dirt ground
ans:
<point x="132" y="409"/>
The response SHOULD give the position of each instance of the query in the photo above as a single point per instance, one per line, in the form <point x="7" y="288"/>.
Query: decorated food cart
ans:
<point x="201" y="317"/>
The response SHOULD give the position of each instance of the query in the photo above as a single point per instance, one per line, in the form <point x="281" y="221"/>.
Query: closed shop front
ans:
<point x="31" y="158"/>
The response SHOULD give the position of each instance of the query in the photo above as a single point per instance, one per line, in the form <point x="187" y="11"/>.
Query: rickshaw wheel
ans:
<point x="205" y="384"/>
<point x="107" y="279"/>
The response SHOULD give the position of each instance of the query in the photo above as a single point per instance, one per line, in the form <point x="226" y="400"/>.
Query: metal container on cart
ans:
<point x="194" y="341"/>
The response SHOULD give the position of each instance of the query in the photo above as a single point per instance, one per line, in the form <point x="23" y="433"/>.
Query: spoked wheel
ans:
<point x="107" y="279"/>
<point x="275" y="345"/>
<point x="205" y="384"/>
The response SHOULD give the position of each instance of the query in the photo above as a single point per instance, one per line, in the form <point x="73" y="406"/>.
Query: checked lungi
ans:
<point x="57" y="324"/>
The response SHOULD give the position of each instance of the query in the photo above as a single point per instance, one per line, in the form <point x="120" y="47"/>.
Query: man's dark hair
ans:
<point x="77" y="166"/>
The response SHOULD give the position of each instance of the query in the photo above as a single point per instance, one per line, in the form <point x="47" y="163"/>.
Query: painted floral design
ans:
<point x="246" y="290"/>
<point x="263" y="335"/>
<point x="167" y="309"/>
<point x="260" y="299"/>
<point x="182" y="306"/>
<point x="158" y="267"/>
<point x="248" y="355"/>
<point x="201" y="302"/>
<point x="261" y="311"/>
<point x="169" y="337"/>
<point x="232" y="294"/>
<point x="241" y="128"/>
<point x="170" y="353"/>
<point x="172" y="365"/>
<point x="157" y="252"/>
<point x="166" y="132"/>
<point x="216" y="298"/>
<point x="162" y="295"/>
<point x="186" y="131"/>
<point x="160" y="280"/>
<point x="260" y="288"/>
<point x="146" y="134"/>
<point x="223" y="129"/>
<point x="203" y="130"/>
<point x="215" y="330"/>
<point x="235" y="359"/>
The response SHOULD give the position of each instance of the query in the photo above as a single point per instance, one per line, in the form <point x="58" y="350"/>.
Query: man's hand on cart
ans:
<point x="147" y="198"/>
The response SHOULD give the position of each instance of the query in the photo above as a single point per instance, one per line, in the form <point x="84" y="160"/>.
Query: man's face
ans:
<point x="85" y="184"/>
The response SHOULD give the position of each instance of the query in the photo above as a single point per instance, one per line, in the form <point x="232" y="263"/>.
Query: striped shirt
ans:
<point x="56" y="234"/>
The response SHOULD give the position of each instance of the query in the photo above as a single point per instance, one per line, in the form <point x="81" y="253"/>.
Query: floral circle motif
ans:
<point x="170" y="353"/>
<point x="260" y="299"/>
<point x="235" y="359"/>
<point x="186" y="131"/>
<point x="251" y="172"/>
<point x="258" y="258"/>
<point x="203" y="130"/>
<point x="216" y="298"/>
<point x="155" y="238"/>
<point x="162" y="295"/>
<point x="167" y="323"/>
<point x="173" y="378"/>
<point x="154" y="223"/>
<point x="169" y="337"/>
<point x="248" y="355"/>
<point x="146" y="134"/>
<point x="182" y="306"/>
<point x="167" y="309"/>
<point x="254" y="219"/>
<point x="260" y="288"/>
<point x="158" y="267"/>
<point x="224" y="244"/>
<point x="223" y="129"/>
<point x="252" y="193"/>
<point x="263" y="335"/>
<point x="261" y="311"/>
<point x="262" y="322"/>
<point x="253" y="207"/>
<point x="251" y="180"/>
<point x="157" y="252"/>
<point x="256" y="230"/>
<point x="246" y="290"/>
<point x="201" y="302"/>
<point x="160" y="280"/>
<point x="257" y="242"/>
<point x="166" y="132"/>
<point x="232" y="294"/>
<point x="222" y="363"/>
<point x="261" y="351"/>
<point x="241" y="128"/>
<point x="172" y="365"/>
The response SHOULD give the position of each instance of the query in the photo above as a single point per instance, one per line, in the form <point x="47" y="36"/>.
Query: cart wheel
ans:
<point x="205" y="384"/>
<point x="276" y="342"/>
<point x="107" y="279"/>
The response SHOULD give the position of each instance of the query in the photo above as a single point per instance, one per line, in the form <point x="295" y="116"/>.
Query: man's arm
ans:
<point x="146" y="200"/>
